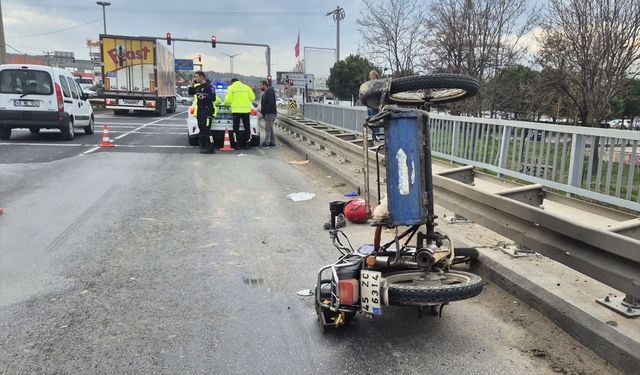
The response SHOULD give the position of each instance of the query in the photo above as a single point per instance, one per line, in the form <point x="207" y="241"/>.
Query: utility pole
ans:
<point x="338" y="15"/>
<point x="231" y="57"/>
<point x="3" y="46"/>
<point x="104" y="14"/>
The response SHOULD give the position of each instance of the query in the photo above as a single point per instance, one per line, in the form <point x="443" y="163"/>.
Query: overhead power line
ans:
<point x="59" y="30"/>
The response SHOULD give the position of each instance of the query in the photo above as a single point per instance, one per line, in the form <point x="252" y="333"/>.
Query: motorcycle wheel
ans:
<point x="416" y="287"/>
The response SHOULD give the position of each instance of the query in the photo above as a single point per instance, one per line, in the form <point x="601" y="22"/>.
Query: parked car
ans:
<point x="620" y="124"/>
<point x="280" y="101"/>
<point x="38" y="97"/>
<point x="224" y="120"/>
<point x="184" y="100"/>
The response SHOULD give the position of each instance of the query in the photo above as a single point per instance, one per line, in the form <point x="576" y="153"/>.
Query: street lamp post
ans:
<point x="231" y="57"/>
<point x="104" y="4"/>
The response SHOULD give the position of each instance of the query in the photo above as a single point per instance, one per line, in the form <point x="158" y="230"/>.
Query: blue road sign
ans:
<point x="184" y="64"/>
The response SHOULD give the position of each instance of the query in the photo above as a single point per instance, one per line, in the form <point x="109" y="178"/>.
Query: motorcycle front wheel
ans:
<point x="418" y="288"/>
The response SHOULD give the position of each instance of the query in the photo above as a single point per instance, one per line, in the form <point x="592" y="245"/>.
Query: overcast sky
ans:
<point x="33" y="26"/>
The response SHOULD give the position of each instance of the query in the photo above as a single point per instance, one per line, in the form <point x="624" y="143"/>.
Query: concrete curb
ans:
<point x="604" y="340"/>
<point x="332" y="169"/>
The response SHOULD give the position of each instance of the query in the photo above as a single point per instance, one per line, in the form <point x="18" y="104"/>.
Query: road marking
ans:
<point x="134" y="130"/>
<point x="145" y="125"/>
<point x="43" y="144"/>
<point x="135" y="124"/>
<point x="148" y="133"/>
<point x="90" y="145"/>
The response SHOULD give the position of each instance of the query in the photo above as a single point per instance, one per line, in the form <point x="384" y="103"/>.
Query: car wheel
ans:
<point x="5" y="132"/>
<point x="34" y="131"/>
<point x="89" y="129"/>
<point x="193" y="140"/>
<point x="68" y="132"/>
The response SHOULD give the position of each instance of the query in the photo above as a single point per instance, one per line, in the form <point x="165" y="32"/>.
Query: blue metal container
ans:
<point x="406" y="190"/>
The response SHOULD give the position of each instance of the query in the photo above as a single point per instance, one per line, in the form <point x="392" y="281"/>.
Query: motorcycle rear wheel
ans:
<point x="417" y="288"/>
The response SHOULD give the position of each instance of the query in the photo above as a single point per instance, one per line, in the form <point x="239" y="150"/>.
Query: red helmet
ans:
<point x="356" y="211"/>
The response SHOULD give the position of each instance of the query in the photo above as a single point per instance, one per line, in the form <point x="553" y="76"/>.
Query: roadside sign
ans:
<point x="183" y="64"/>
<point x="293" y="104"/>
<point x="295" y="79"/>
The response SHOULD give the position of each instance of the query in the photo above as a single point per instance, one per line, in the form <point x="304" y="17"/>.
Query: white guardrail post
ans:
<point x="503" y="153"/>
<point x="576" y="161"/>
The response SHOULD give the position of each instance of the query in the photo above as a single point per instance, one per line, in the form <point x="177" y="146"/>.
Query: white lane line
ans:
<point x="136" y="124"/>
<point x="44" y="144"/>
<point x="90" y="145"/>
<point x="147" y="133"/>
<point x="145" y="125"/>
<point x="134" y="130"/>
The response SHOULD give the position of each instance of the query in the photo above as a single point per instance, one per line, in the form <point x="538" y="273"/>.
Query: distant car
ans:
<point x="224" y="120"/>
<point x="184" y="100"/>
<point x="38" y="97"/>
<point x="620" y="124"/>
<point x="280" y="101"/>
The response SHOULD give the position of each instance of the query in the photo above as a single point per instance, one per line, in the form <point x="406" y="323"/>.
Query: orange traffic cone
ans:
<point x="227" y="142"/>
<point x="106" y="142"/>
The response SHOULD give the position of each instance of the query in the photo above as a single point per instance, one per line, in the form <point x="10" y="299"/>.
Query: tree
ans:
<point x="347" y="75"/>
<point x="627" y="103"/>
<point x="391" y="32"/>
<point x="590" y="46"/>
<point x="514" y="89"/>
<point x="299" y="67"/>
<point x="476" y="37"/>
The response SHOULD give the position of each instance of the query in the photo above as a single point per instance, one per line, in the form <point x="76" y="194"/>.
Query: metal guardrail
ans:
<point x="611" y="256"/>
<point x="558" y="157"/>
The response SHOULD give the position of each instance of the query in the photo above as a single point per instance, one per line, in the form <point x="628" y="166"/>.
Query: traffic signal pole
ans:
<point x="267" y="54"/>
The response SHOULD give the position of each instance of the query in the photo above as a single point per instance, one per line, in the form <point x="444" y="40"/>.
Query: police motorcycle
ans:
<point x="415" y="267"/>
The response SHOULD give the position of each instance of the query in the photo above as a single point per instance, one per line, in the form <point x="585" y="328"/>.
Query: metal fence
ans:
<point x="599" y="164"/>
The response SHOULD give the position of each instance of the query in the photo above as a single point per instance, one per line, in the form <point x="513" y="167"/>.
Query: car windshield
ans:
<point x="22" y="81"/>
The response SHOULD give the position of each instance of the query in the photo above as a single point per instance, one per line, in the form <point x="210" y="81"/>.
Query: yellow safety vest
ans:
<point x="239" y="97"/>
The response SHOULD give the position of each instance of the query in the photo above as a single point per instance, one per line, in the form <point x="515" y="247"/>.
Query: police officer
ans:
<point x="239" y="98"/>
<point x="203" y="96"/>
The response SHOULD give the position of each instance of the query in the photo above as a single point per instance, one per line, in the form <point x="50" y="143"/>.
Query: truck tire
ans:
<point x="5" y="132"/>
<point x="172" y="105"/>
<point x="162" y="111"/>
<point x="410" y="288"/>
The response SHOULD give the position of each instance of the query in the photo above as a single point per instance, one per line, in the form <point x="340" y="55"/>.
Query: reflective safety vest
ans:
<point x="239" y="97"/>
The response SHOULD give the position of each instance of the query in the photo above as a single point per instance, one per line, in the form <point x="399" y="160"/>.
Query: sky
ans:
<point x="34" y="26"/>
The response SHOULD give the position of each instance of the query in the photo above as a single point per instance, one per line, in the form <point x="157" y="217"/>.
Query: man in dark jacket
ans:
<point x="204" y="96"/>
<point x="269" y="112"/>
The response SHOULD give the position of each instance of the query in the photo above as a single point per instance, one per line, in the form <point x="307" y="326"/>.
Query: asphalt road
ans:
<point x="160" y="260"/>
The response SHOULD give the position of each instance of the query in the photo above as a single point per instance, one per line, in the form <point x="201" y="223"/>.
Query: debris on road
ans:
<point x="301" y="196"/>
<point x="351" y="194"/>
<point x="305" y="292"/>
<point x="298" y="162"/>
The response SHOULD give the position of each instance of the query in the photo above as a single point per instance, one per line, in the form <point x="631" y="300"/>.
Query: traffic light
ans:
<point x="199" y="58"/>
<point x="269" y="79"/>
<point x="168" y="39"/>
<point x="213" y="41"/>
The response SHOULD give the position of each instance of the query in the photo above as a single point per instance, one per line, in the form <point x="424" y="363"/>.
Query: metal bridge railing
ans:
<point x="559" y="157"/>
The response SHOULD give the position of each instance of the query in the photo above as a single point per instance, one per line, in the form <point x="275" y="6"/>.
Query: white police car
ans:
<point x="224" y="120"/>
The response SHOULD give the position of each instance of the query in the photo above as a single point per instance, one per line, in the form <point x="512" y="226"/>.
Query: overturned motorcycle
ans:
<point x="399" y="272"/>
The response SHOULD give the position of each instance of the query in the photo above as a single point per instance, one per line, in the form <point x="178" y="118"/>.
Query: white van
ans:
<point x="38" y="97"/>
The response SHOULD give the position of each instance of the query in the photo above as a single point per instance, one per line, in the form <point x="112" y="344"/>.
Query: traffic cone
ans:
<point x="1" y="210"/>
<point x="227" y="142"/>
<point x="106" y="142"/>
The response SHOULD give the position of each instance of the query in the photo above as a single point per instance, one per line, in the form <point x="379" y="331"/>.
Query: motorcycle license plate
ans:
<point x="370" y="292"/>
